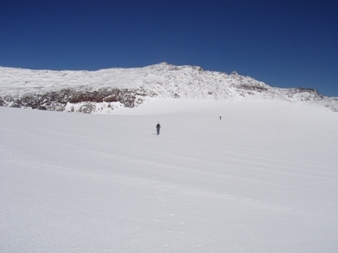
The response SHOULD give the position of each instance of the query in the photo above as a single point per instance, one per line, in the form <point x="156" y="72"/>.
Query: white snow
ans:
<point x="262" y="179"/>
<point x="160" y="80"/>
<point x="163" y="79"/>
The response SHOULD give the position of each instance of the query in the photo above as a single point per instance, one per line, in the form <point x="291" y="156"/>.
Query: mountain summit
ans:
<point x="109" y="89"/>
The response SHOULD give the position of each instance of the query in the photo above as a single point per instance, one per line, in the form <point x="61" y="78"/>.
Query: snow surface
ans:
<point x="262" y="179"/>
<point x="163" y="79"/>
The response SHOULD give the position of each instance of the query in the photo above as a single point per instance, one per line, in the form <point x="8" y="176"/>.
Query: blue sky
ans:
<point x="284" y="44"/>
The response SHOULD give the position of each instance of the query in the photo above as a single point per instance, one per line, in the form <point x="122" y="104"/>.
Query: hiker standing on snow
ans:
<point x="158" y="127"/>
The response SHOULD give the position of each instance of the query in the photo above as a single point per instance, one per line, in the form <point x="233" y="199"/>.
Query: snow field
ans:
<point x="262" y="179"/>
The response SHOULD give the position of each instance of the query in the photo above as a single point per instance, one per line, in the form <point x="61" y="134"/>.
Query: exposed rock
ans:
<point x="57" y="100"/>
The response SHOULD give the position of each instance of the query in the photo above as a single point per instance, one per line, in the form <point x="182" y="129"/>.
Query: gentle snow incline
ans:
<point x="262" y="179"/>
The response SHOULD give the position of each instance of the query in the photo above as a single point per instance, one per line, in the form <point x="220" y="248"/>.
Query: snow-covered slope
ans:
<point x="108" y="89"/>
<point x="263" y="179"/>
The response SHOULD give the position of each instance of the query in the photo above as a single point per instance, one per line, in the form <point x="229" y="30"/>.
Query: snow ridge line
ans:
<point x="109" y="89"/>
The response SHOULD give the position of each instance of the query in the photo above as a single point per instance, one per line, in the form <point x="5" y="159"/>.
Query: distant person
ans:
<point x="158" y="127"/>
<point x="220" y="117"/>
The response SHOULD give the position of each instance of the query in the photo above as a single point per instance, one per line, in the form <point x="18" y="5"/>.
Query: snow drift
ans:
<point x="263" y="179"/>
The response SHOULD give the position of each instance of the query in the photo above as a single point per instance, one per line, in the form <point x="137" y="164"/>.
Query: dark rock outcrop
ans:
<point x="58" y="100"/>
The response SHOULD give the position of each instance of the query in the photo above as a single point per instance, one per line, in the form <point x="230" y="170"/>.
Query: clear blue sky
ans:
<point x="282" y="43"/>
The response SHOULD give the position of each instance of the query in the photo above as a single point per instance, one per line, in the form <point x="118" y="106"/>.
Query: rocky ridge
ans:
<point x="110" y="89"/>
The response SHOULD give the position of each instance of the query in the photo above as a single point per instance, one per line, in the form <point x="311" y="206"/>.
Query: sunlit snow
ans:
<point x="264" y="178"/>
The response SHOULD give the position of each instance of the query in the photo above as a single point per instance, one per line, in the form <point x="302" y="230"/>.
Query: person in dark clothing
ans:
<point x="158" y="127"/>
